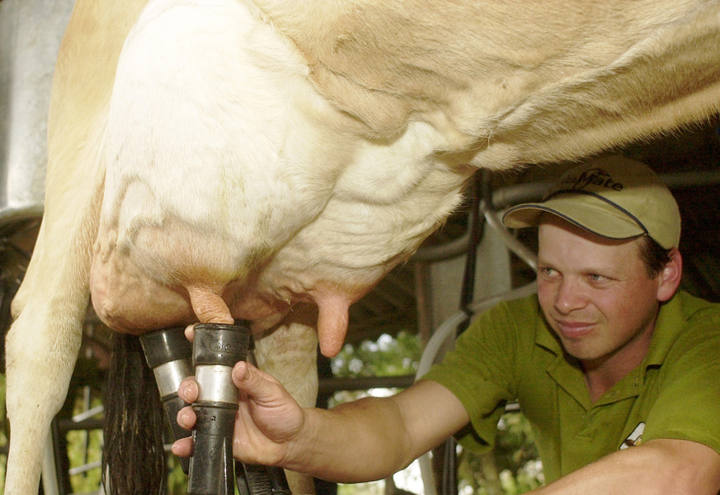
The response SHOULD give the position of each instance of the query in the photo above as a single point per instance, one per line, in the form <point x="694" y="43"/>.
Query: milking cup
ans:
<point x="216" y="349"/>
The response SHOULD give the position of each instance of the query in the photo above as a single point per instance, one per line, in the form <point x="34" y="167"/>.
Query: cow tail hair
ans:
<point x="133" y="457"/>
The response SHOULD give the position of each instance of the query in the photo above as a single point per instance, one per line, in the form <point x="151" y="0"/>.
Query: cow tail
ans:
<point x="133" y="457"/>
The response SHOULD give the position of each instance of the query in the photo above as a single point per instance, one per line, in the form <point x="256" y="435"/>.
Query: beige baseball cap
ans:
<point x="613" y="197"/>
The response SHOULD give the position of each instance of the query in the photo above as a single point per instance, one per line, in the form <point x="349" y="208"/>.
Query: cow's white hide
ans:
<point x="246" y="157"/>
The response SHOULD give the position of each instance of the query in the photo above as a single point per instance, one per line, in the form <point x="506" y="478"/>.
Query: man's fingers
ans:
<point x="250" y="380"/>
<point x="240" y="373"/>
<point x="186" y="417"/>
<point x="188" y="390"/>
<point x="190" y="332"/>
<point x="182" y="447"/>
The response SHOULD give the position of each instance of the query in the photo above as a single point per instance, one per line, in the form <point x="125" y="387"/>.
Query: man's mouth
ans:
<point x="573" y="329"/>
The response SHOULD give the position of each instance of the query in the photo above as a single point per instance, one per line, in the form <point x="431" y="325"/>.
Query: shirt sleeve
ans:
<point x="688" y="403"/>
<point x="480" y="373"/>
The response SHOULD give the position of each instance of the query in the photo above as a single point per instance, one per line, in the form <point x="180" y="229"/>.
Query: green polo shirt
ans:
<point x="509" y="353"/>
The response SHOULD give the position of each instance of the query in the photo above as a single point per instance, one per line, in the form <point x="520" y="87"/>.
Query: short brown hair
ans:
<point x="653" y="255"/>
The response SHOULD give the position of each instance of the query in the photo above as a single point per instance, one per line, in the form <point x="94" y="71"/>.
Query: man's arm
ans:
<point x="663" y="466"/>
<point x="363" y="440"/>
<point x="372" y="438"/>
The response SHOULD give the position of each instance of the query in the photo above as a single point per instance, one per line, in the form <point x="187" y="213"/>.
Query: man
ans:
<point x="617" y="371"/>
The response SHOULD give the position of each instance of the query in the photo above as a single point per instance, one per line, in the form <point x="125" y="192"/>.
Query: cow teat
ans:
<point x="332" y="321"/>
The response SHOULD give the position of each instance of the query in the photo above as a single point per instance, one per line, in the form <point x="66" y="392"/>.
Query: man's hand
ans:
<point x="387" y="433"/>
<point x="268" y="417"/>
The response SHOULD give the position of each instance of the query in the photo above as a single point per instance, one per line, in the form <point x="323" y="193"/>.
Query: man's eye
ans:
<point x="595" y="277"/>
<point x="546" y="271"/>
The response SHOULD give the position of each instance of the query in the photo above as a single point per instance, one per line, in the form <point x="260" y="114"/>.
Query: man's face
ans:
<point x="595" y="294"/>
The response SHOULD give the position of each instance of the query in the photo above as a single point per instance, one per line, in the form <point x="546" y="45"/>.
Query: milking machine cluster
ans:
<point x="215" y="350"/>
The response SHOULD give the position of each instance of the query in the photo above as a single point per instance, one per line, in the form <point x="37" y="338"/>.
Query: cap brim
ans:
<point x="589" y="213"/>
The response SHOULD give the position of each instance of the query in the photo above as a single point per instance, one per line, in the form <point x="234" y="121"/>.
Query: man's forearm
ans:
<point x="359" y="441"/>
<point x="674" y="467"/>
<point x="372" y="438"/>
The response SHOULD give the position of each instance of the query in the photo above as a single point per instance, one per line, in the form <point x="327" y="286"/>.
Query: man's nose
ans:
<point x="569" y="296"/>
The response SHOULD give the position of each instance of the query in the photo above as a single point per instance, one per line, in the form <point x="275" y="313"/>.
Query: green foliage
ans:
<point x="177" y="479"/>
<point x="84" y="447"/>
<point x="515" y="445"/>
<point x="513" y="466"/>
<point x="387" y="356"/>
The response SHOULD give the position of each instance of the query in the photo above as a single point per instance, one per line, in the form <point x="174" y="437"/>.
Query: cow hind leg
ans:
<point x="40" y="351"/>
<point x="44" y="340"/>
<point x="289" y="353"/>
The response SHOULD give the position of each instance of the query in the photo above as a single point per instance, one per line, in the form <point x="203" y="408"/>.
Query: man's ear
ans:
<point x="669" y="277"/>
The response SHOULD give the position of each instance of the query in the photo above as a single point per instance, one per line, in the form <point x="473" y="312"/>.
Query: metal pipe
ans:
<point x="30" y="35"/>
<point x="330" y="385"/>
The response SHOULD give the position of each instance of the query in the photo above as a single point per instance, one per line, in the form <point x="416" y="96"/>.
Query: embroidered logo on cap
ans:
<point x="635" y="438"/>
<point x="591" y="177"/>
